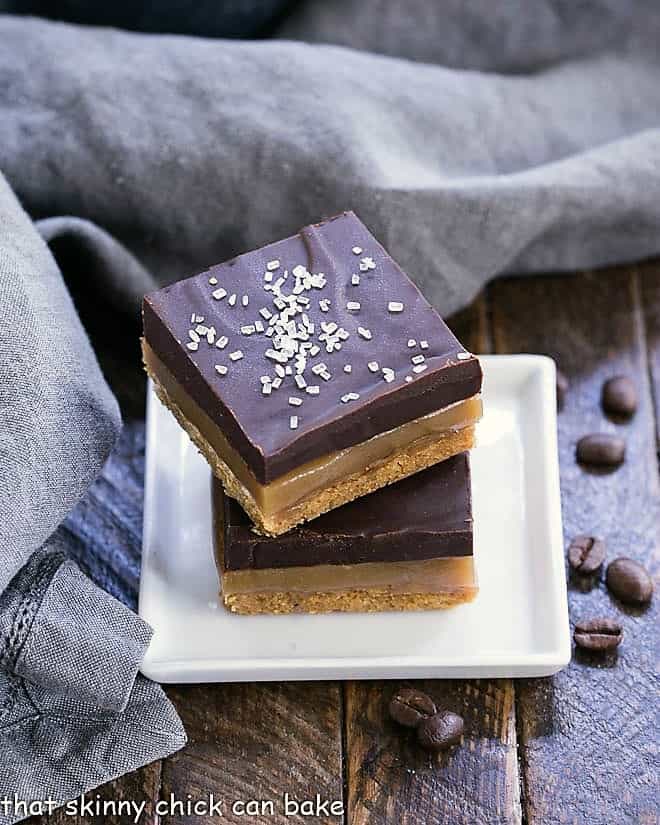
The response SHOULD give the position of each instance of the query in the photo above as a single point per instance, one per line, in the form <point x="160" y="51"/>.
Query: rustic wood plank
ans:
<point x="649" y="284"/>
<point x="587" y="735"/>
<point x="256" y="742"/>
<point x="389" y="779"/>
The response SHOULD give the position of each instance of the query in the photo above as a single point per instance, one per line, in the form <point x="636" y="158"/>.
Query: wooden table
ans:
<point x="576" y="748"/>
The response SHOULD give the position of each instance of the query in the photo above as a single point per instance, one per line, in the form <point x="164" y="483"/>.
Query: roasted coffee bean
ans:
<point x="586" y="555"/>
<point x="562" y="389"/>
<point x="601" y="450"/>
<point x="441" y="731"/>
<point x="409" y="707"/>
<point x="629" y="581"/>
<point x="598" y="634"/>
<point x="620" y="396"/>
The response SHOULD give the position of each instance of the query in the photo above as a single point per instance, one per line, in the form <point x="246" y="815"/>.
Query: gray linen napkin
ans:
<point x="162" y="155"/>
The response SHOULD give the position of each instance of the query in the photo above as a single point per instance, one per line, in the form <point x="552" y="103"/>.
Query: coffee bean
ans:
<point x="601" y="450"/>
<point x="629" y="581"/>
<point x="439" y="732"/>
<point x="598" y="634"/>
<point x="620" y="396"/>
<point x="409" y="707"/>
<point x="562" y="389"/>
<point x="586" y="555"/>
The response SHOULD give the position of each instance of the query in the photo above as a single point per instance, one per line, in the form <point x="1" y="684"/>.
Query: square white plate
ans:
<point x="517" y="626"/>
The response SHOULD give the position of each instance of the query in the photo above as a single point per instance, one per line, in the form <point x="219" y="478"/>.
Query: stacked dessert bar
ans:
<point x="335" y="409"/>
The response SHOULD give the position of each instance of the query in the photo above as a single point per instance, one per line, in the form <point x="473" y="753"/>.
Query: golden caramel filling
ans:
<point x="316" y="475"/>
<point x="426" y="576"/>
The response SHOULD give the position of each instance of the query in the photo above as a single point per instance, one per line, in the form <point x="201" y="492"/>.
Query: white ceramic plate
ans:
<point x="517" y="626"/>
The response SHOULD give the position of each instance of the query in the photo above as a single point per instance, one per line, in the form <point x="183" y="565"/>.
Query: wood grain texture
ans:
<point x="390" y="780"/>
<point x="256" y="742"/>
<point x="588" y="736"/>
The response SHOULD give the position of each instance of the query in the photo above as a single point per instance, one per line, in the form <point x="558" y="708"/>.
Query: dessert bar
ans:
<point x="407" y="546"/>
<point x="310" y="372"/>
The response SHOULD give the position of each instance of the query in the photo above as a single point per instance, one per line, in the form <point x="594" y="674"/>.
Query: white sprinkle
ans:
<point x="355" y="279"/>
<point x="326" y="376"/>
<point x="395" y="306"/>
<point x="221" y="369"/>
<point x="420" y="367"/>
<point x="232" y="299"/>
<point x="350" y="396"/>
<point x="295" y="401"/>
<point x="222" y="342"/>
<point x="193" y="336"/>
<point x="409" y="378"/>
<point x="271" y="266"/>
<point x="213" y="281"/>
<point x="324" y="305"/>
<point x="236" y="355"/>
<point x="418" y="359"/>
<point x="266" y="389"/>
<point x="357" y="250"/>
<point x="388" y="374"/>
<point x="313" y="389"/>
<point x="258" y="325"/>
<point x="276" y="383"/>
<point x="366" y="264"/>
<point x="210" y="336"/>
<point x="314" y="350"/>
<point x="424" y="344"/>
<point x="200" y="329"/>
<point x="293" y="422"/>
<point x="192" y="345"/>
<point x="268" y="277"/>
<point x="412" y="343"/>
<point x="342" y="334"/>
<point x="353" y="306"/>
<point x="265" y="313"/>
<point x="192" y="318"/>
<point x="248" y="329"/>
<point x="300" y="381"/>
<point x="373" y="366"/>
<point x="463" y="356"/>
<point x="365" y="333"/>
<point x="199" y="319"/>
<point x="265" y="379"/>
<point x="347" y="367"/>
<point x="219" y="294"/>
<point x="317" y="369"/>
<point x="280" y="371"/>
<point x="245" y="300"/>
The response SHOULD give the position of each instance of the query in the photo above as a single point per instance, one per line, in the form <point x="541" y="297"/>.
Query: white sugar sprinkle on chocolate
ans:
<point x="245" y="300"/>
<point x="463" y="356"/>
<point x="232" y="300"/>
<point x="395" y="306"/>
<point x="420" y="368"/>
<point x="213" y="281"/>
<point x="219" y="294"/>
<point x="300" y="381"/>
<point x="192" y="345"/>
<point x="192" y="318"/>
<point x="265" y="379"/>
<point x="210" y="336"/>
<point x="373" y="366"/>
<point x="248" y="329"/>
<point x="222" y="342"/>
<point x="409" y="378"/>
<point x="357" y="250"/>
<point x="348" y="368"/>
<point x="199" y="319"/>
<point x="193" y="336"/>
<point x="200" y="329"/>
<point x="388" y="374"/>
<point x="272" y="265"/>
<point x="276" y="383"/>
<point x="411" y="343"/>
<point x="236" y="355"/>
<point x="349" y="396"/>
<point x="353" y="306"/>
<point x="424" y="344"/>
<point x="266" y="389"/>
<point x="295" y="401"/>
<point x="265" y="313"/>
<point x="293" y="422"/>
<point x="221" y="369"/>
<point x="313" y="389"/>
<point x="258" y="325"/>
<point x="355" y="279"/>
<point x="418" y="359"/>
<point x="366" y="264"/>
<point x="365" y="333"/>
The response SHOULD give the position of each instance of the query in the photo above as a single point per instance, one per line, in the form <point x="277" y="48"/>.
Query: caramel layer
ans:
<point x="423" y="577"/>
<point x="293" y="488"/>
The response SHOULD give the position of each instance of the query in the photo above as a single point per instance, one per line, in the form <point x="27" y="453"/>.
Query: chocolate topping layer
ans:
<point x="425" y="516"/>
<point x="350" y="300"/>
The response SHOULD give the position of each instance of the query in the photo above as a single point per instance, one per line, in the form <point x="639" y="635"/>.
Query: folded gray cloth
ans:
<point x="157" y="156"/>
